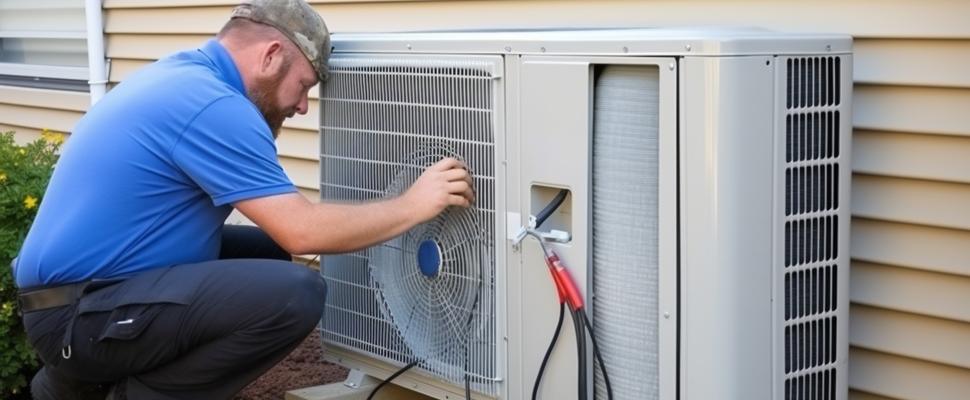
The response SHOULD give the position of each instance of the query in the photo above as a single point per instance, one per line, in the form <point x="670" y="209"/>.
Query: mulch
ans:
<point x="303" y="368"/>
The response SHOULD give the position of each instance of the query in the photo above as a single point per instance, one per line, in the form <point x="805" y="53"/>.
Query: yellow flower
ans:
<point x="30" y="202"/>
<point x="52" y="137"/>
<point x="3" y="177"/>
<point x="23" y="151"/>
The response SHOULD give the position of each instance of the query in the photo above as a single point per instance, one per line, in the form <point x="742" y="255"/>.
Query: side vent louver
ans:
<point x="812" y="121"/>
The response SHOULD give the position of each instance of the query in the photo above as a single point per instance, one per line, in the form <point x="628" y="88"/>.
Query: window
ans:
<point x="43" y="44"/>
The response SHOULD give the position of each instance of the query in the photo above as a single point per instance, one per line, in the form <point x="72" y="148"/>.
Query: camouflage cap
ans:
<point x="298" y="22"/>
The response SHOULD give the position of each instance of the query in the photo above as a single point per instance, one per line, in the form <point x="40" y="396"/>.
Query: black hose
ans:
<point x="468" y="387"/>
<point x="552" y="206"/>
<point x="577" y="323"/>
<point x="581" y="352"/>
<point x="391" y="378"/>
<point x="599" y="358"/>
<point x="545" y="358"/>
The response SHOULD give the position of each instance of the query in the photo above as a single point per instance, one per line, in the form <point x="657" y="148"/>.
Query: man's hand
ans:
<point x="302" y="227"/>
<point x="446" y="183"/>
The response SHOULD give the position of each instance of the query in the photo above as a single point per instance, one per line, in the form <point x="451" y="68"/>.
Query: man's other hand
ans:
<point x="446" y="183"/>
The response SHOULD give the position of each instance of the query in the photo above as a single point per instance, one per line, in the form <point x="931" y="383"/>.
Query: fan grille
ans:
<point x="385" y="118"/>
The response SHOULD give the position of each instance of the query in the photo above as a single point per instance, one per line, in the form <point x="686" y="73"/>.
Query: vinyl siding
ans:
<point x="28" y="111"/>
<point x="910" y="285"/>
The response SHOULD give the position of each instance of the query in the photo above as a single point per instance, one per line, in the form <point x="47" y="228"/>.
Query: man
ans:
<point x="128" y="278"/>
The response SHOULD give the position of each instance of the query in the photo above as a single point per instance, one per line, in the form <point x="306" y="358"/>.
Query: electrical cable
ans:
<point x="404" y="369"/>
<point x="466" y="378"/>
<point x="471" y="315"/>
<point x="310" y="261"/>
<point x="545" y="358"/>
<point x="540" y="218"/>
<point x="552" y="206"/>
<point x="568" y="293"/>
<point x="580" y="353"/>
<point x="599" y="358"/>
<point x="577" y="312"/>
<point x="468" y="388"/>
<point x="391" y="378"/>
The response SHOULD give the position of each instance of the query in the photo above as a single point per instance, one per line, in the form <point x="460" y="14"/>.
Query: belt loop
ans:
<point x="69" y="331"/>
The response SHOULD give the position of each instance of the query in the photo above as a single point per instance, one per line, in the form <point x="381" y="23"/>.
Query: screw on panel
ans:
<point x="666" y="315"/>
<point x="687" y="47"/>
<point x="828" y="47"/>
<point x="542" y="49"/>
<point x="625" y="49"/>
<point x="507" y="48"/>
<point x="409" y="47"/>
<point x="671" y="66"/>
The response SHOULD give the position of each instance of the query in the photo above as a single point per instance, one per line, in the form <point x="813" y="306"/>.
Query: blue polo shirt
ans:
<point x="150" y="173"/>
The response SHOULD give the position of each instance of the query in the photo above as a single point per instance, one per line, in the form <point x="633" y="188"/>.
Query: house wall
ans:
<point x="910" y="288"/>
<point x="28" y="111"/>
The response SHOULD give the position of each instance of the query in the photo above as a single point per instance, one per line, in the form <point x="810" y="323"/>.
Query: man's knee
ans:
<point x="313" y="292"/>
<point x="305" y="297"/>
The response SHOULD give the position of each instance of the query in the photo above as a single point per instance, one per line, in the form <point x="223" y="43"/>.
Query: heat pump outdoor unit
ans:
<point x="706" y="222"/>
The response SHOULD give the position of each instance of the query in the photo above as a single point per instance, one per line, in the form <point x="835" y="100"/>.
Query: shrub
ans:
<point x="24" y="173"/>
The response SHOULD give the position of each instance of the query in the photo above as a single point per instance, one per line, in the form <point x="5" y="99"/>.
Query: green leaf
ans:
<point x="24" y="170"/>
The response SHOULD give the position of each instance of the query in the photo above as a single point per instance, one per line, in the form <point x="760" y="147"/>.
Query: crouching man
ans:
<point x="130" y="282"/>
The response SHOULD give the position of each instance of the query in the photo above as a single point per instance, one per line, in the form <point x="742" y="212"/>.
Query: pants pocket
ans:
<point x="129" y="321"/>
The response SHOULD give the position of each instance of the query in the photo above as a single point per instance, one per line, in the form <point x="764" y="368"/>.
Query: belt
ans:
<point x="51" y="297"/>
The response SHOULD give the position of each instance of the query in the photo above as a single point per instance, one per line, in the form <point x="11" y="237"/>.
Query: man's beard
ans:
<point x="262" y="95"/>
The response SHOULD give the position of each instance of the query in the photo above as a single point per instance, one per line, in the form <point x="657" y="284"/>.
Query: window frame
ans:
<point x="63" y="77"/>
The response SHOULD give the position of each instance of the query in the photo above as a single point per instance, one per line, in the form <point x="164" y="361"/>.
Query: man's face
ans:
<point x="282" y="94"/>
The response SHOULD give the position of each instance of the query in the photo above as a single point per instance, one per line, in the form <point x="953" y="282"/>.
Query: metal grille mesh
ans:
<point x="626" y="228"/>
<point x="812" y="121"/>
<point x="385" y="118"/>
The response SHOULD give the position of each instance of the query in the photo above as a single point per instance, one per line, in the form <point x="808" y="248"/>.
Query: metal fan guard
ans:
<point x="432" y="313"/>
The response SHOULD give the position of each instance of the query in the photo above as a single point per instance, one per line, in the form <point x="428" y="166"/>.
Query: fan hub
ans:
<point x="429" y="258"/>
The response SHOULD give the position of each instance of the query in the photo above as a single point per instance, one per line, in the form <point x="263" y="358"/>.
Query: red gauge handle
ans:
<point x="565" y="286"/>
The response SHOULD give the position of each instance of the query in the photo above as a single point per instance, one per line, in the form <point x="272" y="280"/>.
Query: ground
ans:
<point x="304" y="367"/>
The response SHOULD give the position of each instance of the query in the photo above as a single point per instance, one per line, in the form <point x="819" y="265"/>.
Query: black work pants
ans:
<point x="196" y="331"/>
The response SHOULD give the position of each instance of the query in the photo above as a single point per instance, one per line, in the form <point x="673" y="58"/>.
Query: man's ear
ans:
<point x="271" y="58"/>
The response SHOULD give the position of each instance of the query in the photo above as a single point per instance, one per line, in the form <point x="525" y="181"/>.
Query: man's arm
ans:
<point x="302" y="227"/>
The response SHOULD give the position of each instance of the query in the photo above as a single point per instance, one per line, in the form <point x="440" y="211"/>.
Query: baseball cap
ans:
<point x="298" y="22"/>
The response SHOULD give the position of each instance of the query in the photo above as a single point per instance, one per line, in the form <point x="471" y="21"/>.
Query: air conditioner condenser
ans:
<point x="706" y="222"/>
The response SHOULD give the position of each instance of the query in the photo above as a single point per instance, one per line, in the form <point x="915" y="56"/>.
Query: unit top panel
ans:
<point x="628" y="41"/>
